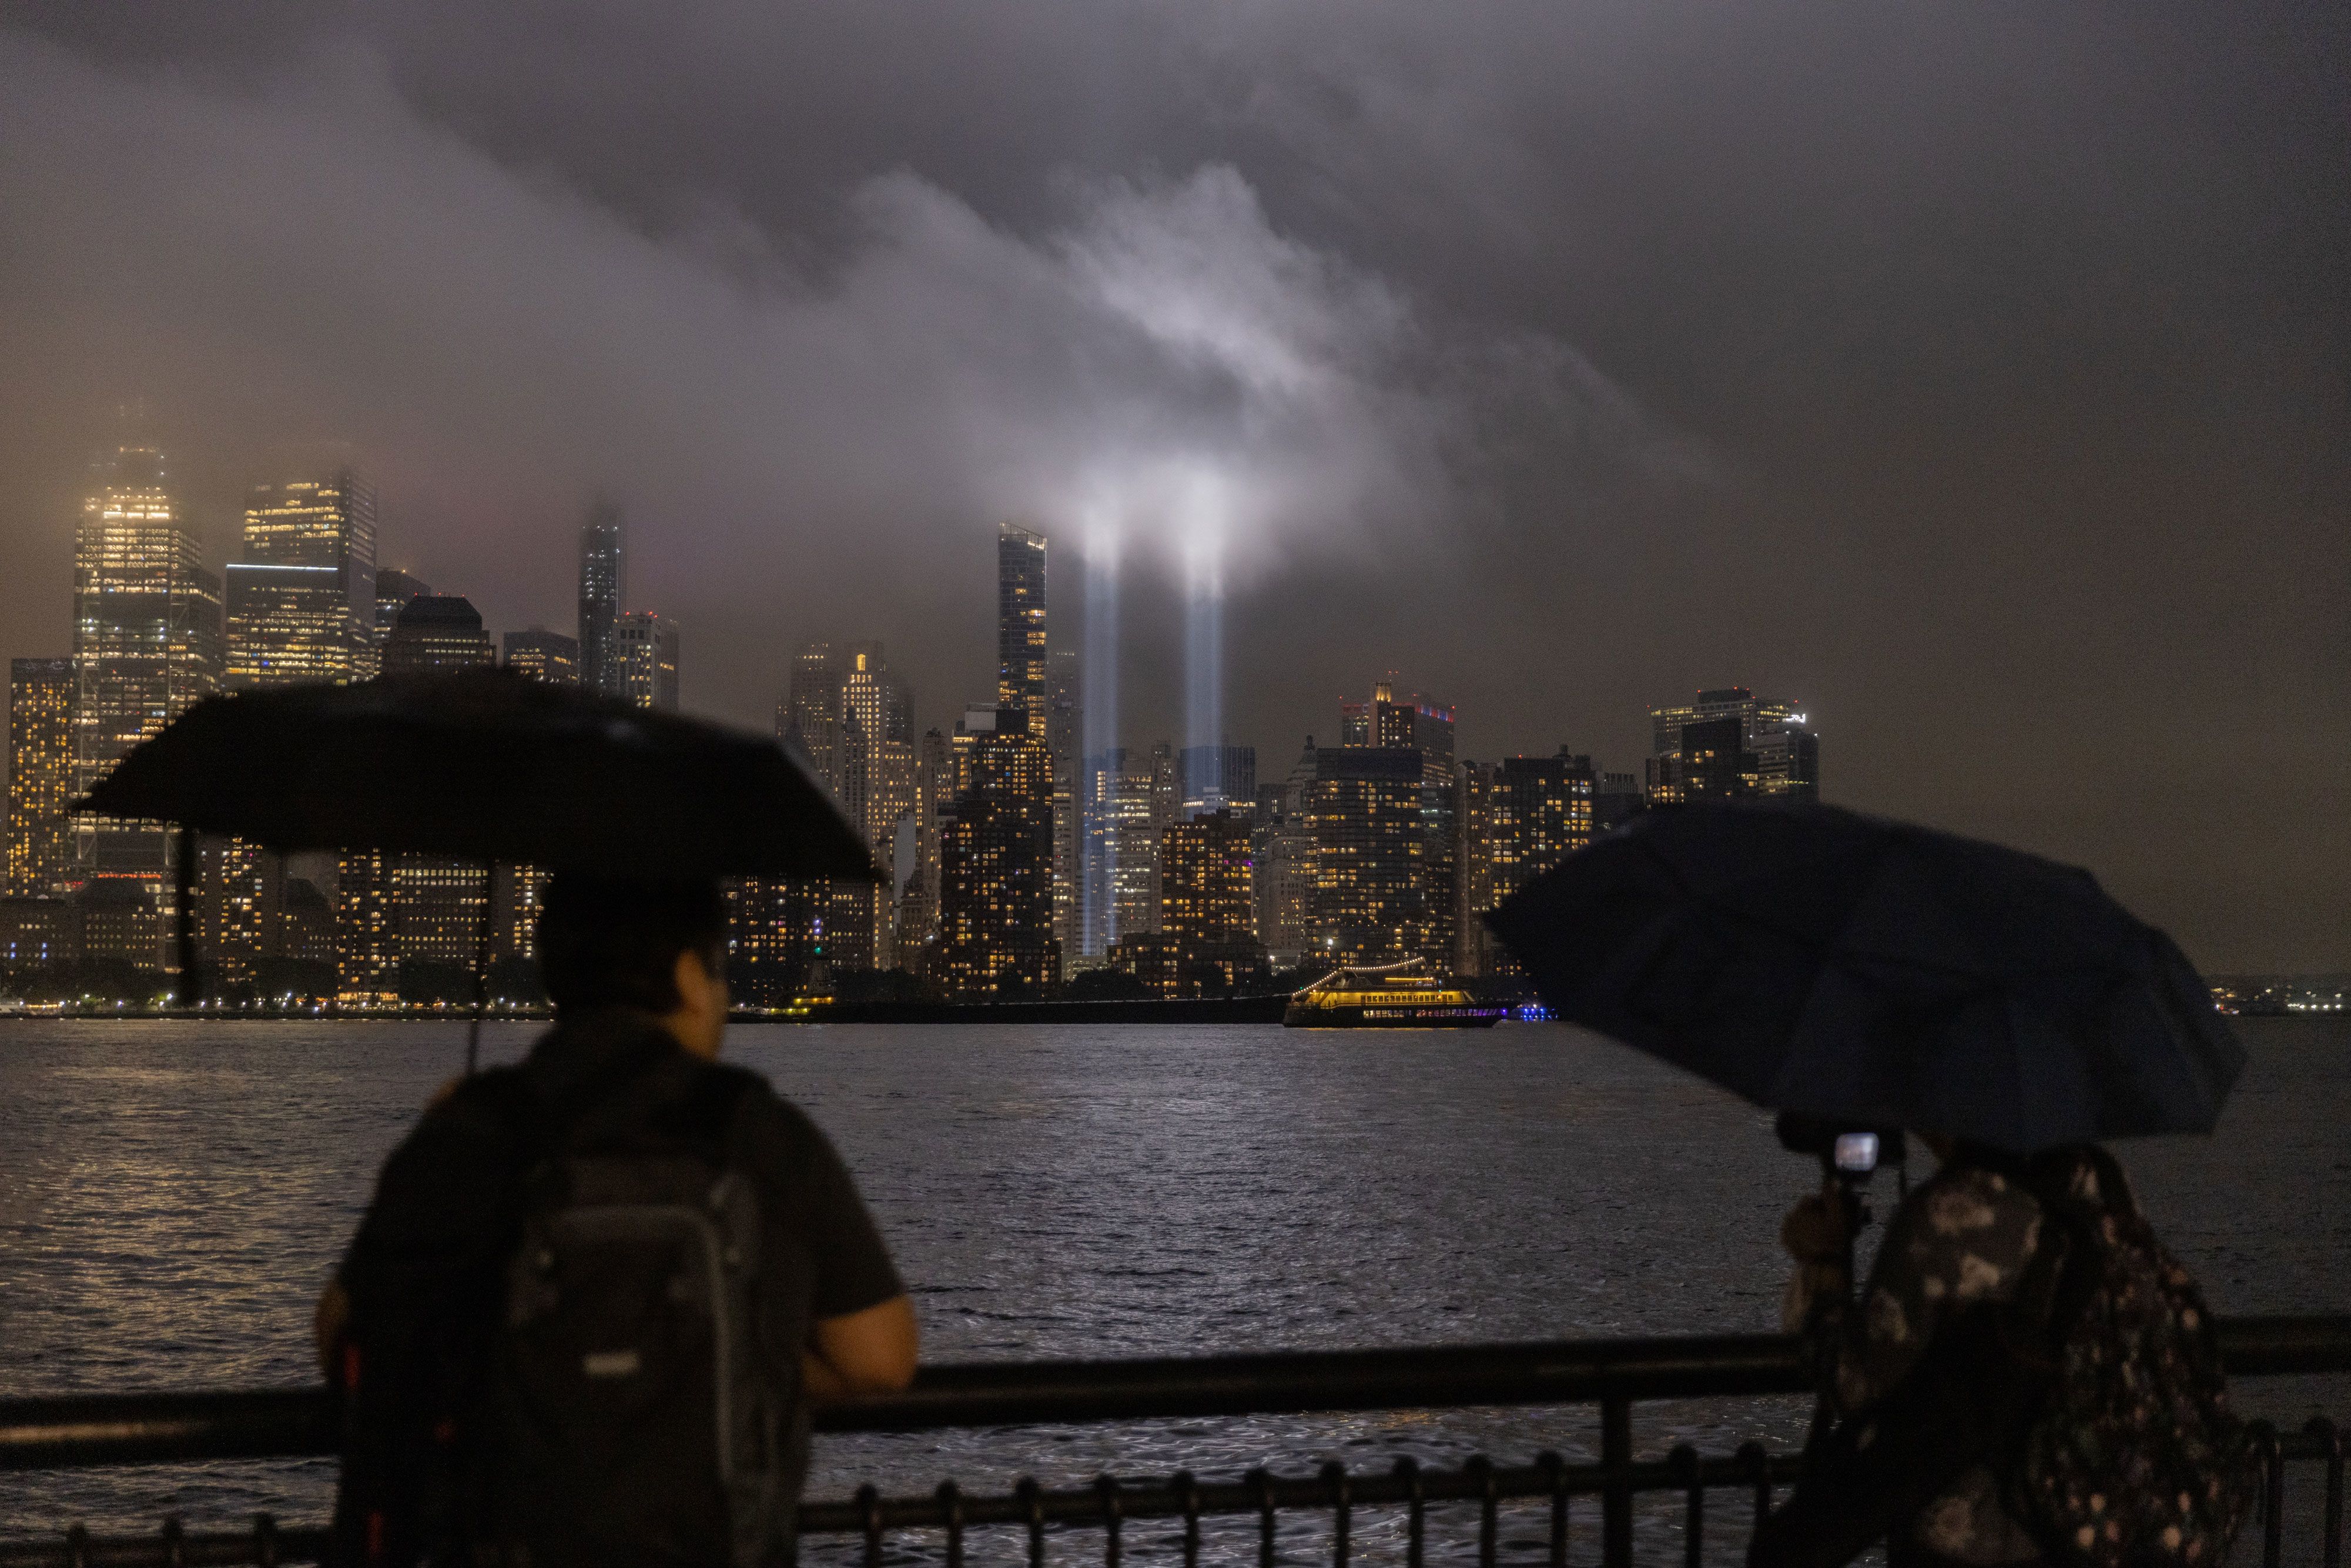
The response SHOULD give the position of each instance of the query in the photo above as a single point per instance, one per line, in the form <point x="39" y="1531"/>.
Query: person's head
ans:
<point x="659" y="947"/>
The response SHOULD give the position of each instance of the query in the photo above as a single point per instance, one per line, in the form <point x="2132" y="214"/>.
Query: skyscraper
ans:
<point x="302" y="602"/>
<point x="1215" y="777"/>
<point x="603" y="585"/>
<point x="995" y="852"/>
<point x="1021" y="679"/>
<point x="1063" y="744"/>
<point x="40" y="776"/>
<point x="1371" y="898"/>
<point x="1539" y="812"/>
<point x="1783" y="755"/>
<point x="543" y="655"/>
<point x="876" y="764"/>
<point x="645" y="652"/>
<point x="1207" y="909"/>
<point x="1283" y="869"/>
<point x="147" y="644"/>
<point x="810" y="717"/>
<point x="1425" y="728"/>
<point x="437" y="632"/>
<point x="1712" y="760"/>
<point x="1123" y="832"/>
<point x="437" y="906"/>
<point x="393" y="589"/>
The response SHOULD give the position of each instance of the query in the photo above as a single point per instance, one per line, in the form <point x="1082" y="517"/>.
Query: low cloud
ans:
<point x="1161" y="363"/>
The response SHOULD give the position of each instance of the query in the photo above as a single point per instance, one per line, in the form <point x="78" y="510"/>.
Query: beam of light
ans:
<point x="1098" y="730"/>
<point x="1204" y="653"/>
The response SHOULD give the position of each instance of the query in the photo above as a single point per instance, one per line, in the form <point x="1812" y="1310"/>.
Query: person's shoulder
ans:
<point x="481" y="1104"/>
<point x="757" y="1114"/>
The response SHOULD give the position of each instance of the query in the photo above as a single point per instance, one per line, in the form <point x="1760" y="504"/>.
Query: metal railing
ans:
<point x="121" y="1430"/>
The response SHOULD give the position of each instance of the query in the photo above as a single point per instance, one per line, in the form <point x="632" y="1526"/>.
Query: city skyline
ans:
<point x="1024" y="847"/>
<point x="2010" y="435"/>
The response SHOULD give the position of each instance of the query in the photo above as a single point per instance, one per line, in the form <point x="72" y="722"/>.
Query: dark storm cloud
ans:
<point x="1974" y="374"/>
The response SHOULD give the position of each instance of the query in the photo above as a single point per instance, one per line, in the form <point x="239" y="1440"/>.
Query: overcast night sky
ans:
<point x="1979" y="375"/>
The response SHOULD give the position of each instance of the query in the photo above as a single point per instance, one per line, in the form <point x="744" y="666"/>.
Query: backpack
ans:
<point x="631" y="1417"/>
<point x="593" y="1387"/>
<point x="2095" y="1396"/>
<point x="2134" y="1456"/>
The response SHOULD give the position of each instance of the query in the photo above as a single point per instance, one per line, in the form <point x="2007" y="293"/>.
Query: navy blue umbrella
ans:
<point x="1852" y="969"/>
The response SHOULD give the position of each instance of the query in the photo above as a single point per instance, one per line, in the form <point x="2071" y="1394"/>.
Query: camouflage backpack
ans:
<point x="2134" y="1457"/>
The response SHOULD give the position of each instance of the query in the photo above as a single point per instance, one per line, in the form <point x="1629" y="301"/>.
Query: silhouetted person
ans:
<point x="596" y="1293"/>
<point x="2028" y="1377"/>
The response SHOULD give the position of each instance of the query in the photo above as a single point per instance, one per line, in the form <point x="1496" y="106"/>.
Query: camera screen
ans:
<point x="1856" y="1152"/>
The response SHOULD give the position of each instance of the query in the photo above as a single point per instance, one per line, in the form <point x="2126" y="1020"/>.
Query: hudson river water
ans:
<point x="172" y="1196"/>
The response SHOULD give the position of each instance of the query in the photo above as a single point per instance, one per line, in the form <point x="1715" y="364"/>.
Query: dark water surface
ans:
<point x="172" y="1196"/>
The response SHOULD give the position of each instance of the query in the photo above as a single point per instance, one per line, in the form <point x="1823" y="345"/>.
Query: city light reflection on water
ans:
<point x="172" y="1195"/>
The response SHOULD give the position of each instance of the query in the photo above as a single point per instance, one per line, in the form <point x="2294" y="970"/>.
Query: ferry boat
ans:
<point x="1387" y="996"/>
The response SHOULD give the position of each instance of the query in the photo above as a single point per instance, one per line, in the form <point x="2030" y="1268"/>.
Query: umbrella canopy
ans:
<point x="489" y="765"/>
<point x="1819" y="961"/>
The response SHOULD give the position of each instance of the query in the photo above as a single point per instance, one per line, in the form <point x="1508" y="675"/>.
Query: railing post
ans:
<point x="1617" y="1500"/>
<point x="2328" y="1434"/>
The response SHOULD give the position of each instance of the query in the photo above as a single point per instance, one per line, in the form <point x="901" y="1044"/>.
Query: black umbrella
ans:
<point x="1863" y="971"/>
<point x="482" y="765"/>
<point x="489" y="766"/>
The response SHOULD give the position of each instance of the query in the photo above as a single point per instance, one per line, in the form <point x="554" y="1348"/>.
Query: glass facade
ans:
<point x="302" y="603"/>
<point x="147" y="644"/>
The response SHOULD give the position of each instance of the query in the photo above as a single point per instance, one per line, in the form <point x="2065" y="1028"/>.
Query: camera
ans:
<point x="1850" y="1153"/>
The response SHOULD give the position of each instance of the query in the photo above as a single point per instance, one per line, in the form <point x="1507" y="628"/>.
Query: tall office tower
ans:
<point x="518" y="893"/>
<point x="1538" y="814"/>
<point x="147" y="644"/>
<point x="238" y="890"/>
<point x="1166" y="807"/>
<point x="1473" y="944"/>
<point x="367" y="943"/>
<point x="1122" y="850"/>
<point x="876" y="764"/>
<point x="393" y="589"/>
<point x="40" y="776"/>
<point x="645" y="648"/>
<point x="1284" y="868"/>
<point x="1371" y="895"/>
<point x="1783" y="754"/>
<point x="544" y="655"/>
<point x="995" y="852"/>
<point x="1417" y="724"/>
<point x="918" y="905"/>
<point x="810" y="717"/>
<point x="1207" y="910"/>
<point x="1021" y="666"/>
<point x="603" y="584"/>
<point x="302" y="602"/>
<point x="434" y="904"/>
<point x="1216" y="777"/>
<point x="1062" y="742"/>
